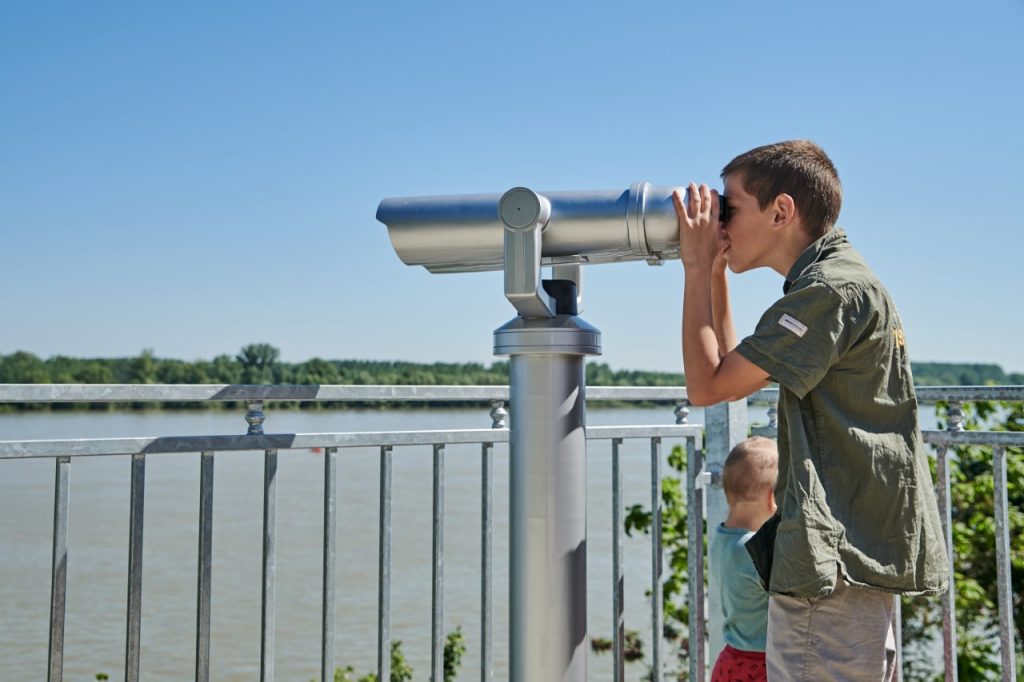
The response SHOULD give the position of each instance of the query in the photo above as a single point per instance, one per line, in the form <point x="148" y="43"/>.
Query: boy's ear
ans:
<point x="784" y="210"/>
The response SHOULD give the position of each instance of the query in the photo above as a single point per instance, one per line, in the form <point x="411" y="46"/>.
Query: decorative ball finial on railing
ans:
<point x="955" y="416"/>
<point x="255" y="417"/>
<point x="682" y="411"/>
<point x="498" y="414"/>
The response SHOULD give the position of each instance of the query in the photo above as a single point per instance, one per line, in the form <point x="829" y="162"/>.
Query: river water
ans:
<point x="98" y="545"/>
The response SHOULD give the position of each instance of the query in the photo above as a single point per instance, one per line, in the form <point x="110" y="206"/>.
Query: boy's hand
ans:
<point x="699" y="228"/>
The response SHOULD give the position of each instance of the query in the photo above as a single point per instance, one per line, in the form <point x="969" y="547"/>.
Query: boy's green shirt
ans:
<point x="854" y="487"/>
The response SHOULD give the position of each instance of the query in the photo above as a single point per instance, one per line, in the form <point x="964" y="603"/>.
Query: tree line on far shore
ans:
<point x="260" y="363"/>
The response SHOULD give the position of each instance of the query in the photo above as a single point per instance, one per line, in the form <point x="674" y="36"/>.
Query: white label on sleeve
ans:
<point x="794" y="325"/>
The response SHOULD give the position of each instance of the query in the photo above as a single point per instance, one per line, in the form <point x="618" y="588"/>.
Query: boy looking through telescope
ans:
<point x="857" y="520"/>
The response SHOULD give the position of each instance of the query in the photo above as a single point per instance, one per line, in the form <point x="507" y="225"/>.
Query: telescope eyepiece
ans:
<point x="723" y="209"/>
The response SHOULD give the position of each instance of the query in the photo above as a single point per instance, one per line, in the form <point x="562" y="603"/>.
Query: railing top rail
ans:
<point x="985" y="438"/>
<point x="16" y="449"/>
<point x="100" y="393"/>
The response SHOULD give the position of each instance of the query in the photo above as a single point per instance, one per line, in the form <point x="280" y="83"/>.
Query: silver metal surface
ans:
<point x="329" y="563"/>
<point x="464" y="233"/>
<point x="255" y="418"/>
<point x="61" y="393"/>
<point x="300" y="441"/>
<point x="384" y="569"/>
<point x="955" y="416"/>
<point x="949" y="596"/>
<point x="525" y="214"/>
<point x="437" y="572"/>
<point x="486" y="562"/>
<point x="547" y="520"/>
<point x="618" y="579"/>
<point x="59" y="570"/>
<point x="1003" y="567"/>
<point x="136" y="514"/>
<point x="499" y="414"/>
<point x="205" y="571"/>
<point x="267" y="623"/>
<point x="657" y="564"/>
<point x="695" y="569"/>
<point x="897" y="631"/>
<point x="725" y="425"/>
<point x="560" y="334"/>
<point x="682" y="412"/>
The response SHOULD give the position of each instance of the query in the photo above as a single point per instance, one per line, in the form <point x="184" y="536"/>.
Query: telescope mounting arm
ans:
<point x="525" y="214"/>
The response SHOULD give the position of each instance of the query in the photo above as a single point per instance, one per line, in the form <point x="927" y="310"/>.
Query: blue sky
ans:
<point x="193" y="177"/>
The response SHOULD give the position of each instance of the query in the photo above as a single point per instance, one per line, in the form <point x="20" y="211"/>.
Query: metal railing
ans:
<point x="64" y="451"/>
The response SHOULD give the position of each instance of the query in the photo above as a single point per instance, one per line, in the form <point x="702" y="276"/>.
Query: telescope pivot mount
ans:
<point x="525" y="214"/>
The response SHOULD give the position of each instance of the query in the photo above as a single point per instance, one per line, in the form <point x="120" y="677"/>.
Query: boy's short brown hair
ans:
<point x="751" y="467"/>
<point x="799" y="168"/>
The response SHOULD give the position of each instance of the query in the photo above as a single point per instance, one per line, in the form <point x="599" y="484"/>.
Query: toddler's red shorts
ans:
<point x="736" y="665"/>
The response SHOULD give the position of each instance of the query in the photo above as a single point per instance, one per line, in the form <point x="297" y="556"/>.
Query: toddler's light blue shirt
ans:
<point x="744" y="601"/>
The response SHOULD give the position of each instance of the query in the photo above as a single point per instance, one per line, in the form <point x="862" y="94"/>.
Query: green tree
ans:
<point x="144" y="368"/>
<point x="454" y="649"/>
<point x="23" y="368"/>
<point x="317" y="371"/>
<point x="93" y="372"/>
<point x="258" y="361"/>
<point x="401" y="671"/>
<point x="974" y="558"/>
<point x="675" y="546"/>
<point x="225" y="369"/>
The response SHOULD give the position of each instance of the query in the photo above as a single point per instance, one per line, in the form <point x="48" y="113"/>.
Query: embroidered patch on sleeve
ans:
<point x="794" y="325"/>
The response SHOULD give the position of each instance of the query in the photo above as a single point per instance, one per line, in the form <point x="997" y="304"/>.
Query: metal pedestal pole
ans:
<point x="548" y="523"/>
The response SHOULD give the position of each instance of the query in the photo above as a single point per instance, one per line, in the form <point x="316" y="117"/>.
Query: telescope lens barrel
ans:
<point x="465" y="233"/>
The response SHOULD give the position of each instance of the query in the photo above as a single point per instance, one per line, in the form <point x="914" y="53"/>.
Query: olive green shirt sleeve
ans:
<point x="799" y="338"/>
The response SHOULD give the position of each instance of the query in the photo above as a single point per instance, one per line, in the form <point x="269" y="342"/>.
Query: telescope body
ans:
<point x="465" y="233"/>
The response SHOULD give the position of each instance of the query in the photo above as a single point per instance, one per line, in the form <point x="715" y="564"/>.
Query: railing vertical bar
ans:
<point x="135" y="534"/>
<point x="618" y="581"/>
<point x="949" y="597"/>
<point x="1002" y="506"/>
<point x="204" y="576"/>
<point x="656" y="574"/>
<point x="59" y="572"/>
<point x="329" y="564"/>
<point x="486" y="559"/>
<point x="384" y="569"/>
<point x="437" y="591"/>
<point x="695" y="560"/>
<point x="897" y="632"/>
<point x="269" y="565"/>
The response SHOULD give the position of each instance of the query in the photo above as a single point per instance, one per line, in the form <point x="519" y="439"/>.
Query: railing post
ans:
<point x="657" y="566"/>
<point x="486" y="558"/>
<point x="437" y="583"/>
<point x="267" y="624"/>
<point x="945" y="487"/>
<point x="135" y="535"/>
<point x="384" y="568"/>
<point x="204" y="579"/>
<point x="618" y="580"/>
<point x="329" y="564"/>
<point x="695" y="566"/>
<point x="59" y="572"/>
<point x="1007" y="648"/>
<point x="725" y="425"/>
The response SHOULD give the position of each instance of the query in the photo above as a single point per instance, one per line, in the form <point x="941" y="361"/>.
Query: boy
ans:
<point x="748" y="479"/>
<point x="857" y="519"/>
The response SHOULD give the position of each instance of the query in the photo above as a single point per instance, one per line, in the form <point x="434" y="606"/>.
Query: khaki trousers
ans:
<point x="847" y="635"/>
